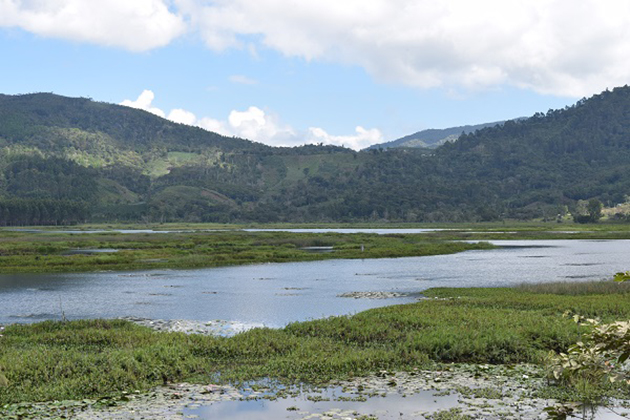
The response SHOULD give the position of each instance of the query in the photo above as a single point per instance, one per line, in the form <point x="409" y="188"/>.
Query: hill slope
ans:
<point x="100" y="134"/>
<point x="433" y="138"/>
<point x="64" y="160"/>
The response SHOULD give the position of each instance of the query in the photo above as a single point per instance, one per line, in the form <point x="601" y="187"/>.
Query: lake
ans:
<point x="277" y="294"/>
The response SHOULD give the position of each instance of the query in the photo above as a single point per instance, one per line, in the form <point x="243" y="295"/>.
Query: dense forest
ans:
<point x="433" y="138"/>
<point x="70" y="160"/>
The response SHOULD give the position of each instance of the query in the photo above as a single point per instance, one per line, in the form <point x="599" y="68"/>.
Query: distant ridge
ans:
<point x="433" y="138"/>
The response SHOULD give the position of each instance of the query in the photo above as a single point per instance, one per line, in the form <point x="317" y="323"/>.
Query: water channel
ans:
<point x="277" y="294"/>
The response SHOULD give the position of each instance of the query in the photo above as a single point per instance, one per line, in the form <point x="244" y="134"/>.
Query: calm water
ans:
<point x="276" y="294"/>
<point x="393" y="407"/>
<point x="386" y="408"/>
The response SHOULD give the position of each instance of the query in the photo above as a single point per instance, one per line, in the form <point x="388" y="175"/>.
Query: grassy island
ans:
<point x="55" y="251"/>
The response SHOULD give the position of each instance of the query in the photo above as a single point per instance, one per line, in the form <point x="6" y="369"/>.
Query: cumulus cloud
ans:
<point x="145" y="102"/>
<point x="136" y="25"/>
<point x="182" y="116"/>
<point x="258" y="125"/>
<point x="557" y="46"/>
<point x="360" y="140"/>
<point x="214" y="125"/>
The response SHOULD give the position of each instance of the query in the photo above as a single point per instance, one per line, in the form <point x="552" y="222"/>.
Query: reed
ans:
<point x="597" y="287"/>
<point x="47" y="252"/>
<point x="96" y="358"/>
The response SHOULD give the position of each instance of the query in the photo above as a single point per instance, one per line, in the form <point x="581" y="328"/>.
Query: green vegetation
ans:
<point x="92" y="358"/>
<point x="127" y="165"/>
<point x="450" y="414"/>
<point x="433" y="138"/>
<point x="48" y="252"/>
<point x="211" y="245"/>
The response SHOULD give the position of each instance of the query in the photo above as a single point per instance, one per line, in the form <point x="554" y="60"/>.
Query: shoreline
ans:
<point x="470" y="391"/>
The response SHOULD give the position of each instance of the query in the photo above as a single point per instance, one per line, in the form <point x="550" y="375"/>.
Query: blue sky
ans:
<point x="286" y="72"/>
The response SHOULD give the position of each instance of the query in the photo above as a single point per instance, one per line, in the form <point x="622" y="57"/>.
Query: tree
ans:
<point x="594" y="210"/>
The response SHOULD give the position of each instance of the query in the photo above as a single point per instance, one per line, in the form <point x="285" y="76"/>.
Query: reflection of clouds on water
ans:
<point x="329" y="403"/>
<point x="256" y="293"/>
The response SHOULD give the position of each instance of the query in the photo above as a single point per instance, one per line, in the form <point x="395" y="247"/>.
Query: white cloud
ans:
<point x="243" y="80"/>
<point x="559" y="47"/>
<point x="216" y="126"/>
<point x="145" y="102"/>
<point x="182" y="116"/>
<point x="360" y="140"/>
<point x="136" y="25"/>
<point x="258" y="125"/>
<point x="264" y="127"/>
<point x="552" y="46"/>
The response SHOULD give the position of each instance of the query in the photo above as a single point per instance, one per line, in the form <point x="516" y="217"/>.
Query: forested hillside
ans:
<point x="433" y="138"/>
<point x="68" y="160"/>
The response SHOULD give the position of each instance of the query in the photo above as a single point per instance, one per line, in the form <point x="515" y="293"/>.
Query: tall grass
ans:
<point x="596" y="287"/>
<point x="80" y="359"/>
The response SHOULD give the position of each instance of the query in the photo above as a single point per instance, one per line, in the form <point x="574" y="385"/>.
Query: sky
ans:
<point x="291" y="72"/>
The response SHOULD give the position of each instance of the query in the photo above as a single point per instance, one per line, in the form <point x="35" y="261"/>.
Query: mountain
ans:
<point x="98" y="134"/>
<point x="122" y="163"/>
<point x="68" y="160"/>
<point x="433" y="138"/>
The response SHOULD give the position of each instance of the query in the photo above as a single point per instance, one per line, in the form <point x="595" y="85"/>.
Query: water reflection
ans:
<point x="332" y="403"/>
<point x="277" y="294"/>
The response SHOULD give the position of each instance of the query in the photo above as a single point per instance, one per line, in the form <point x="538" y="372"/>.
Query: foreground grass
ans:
<point x="44" y="252"/>
<point x="86" y="359"/>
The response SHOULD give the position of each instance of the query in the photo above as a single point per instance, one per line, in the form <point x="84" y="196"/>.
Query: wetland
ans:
<point x="338" y="319"/>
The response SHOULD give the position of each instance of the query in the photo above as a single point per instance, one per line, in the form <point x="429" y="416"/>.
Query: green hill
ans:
<point x="99" y="134"/>
<point x="67" y="160"/>
<point x="433" y="138"/>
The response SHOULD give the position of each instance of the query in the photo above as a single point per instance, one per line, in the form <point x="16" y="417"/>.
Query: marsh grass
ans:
<point x="597" y="287"/>
<point x="94" y="358"/>
<point x="44" y="252"/>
